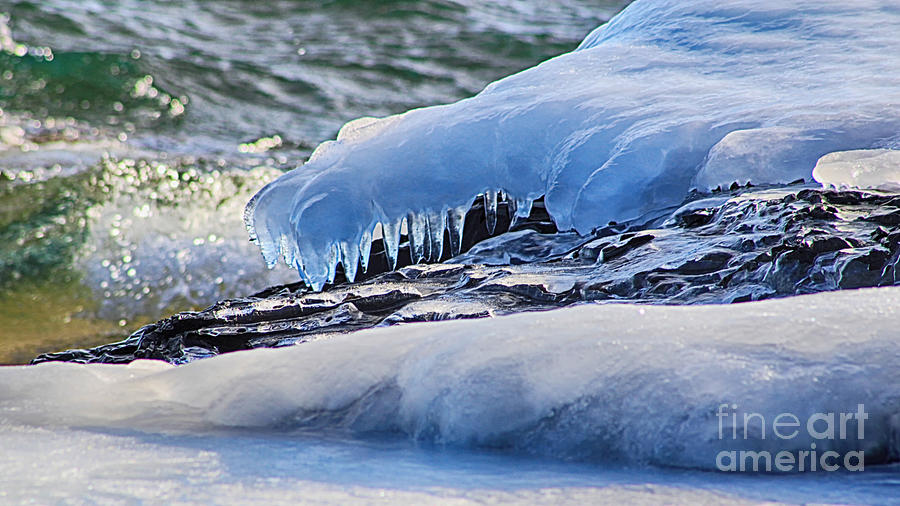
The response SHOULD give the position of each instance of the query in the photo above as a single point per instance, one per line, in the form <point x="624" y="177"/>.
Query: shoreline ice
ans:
<point x="613" y="382"/>
<point x="666" y="97"/>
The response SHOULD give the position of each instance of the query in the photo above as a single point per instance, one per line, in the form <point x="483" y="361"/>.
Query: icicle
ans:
<point x="426" y="239"/>
<point x="456" y="221"/>
<point x="271" y="249"/>
<point x="303" y="276"/>
<point x="490" y="210"/>
<point x="365" y="249"/>
<point x="269" y="253"/>
<point x="523" y="207"/>
<point x="316" y="268"/>
<point x="331" y="262"/>
<point x="416" y="229"/>
<point x="349" y="259"/>
<point x="519" y="209"/>
<point x="436" y="225"/>
<point x="511" y="209"/>
<point x="284" y="250"/>
<point x="391" y="233"/>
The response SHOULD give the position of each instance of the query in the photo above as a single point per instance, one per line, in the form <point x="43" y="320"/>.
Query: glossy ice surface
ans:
<point x="666" y="97"/>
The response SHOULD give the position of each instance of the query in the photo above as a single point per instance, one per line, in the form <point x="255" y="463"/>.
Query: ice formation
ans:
<point x="862" y="168"/>
<point x="668" y="96"/>
<point x="616" y="382"/>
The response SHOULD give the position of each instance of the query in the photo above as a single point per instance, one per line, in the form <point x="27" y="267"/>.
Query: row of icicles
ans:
<point x="425" y="233"/>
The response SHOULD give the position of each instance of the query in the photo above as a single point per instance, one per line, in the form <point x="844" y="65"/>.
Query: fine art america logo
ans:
<point x="819" y="428"/>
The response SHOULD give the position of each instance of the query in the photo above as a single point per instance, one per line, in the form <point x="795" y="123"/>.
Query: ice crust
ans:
<point x="668" y="96"/>
<point x="593" y="383"/>
<point x="877" y="169"/>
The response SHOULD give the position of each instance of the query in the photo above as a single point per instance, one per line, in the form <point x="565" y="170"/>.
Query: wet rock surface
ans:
<point x="743" y="245"/>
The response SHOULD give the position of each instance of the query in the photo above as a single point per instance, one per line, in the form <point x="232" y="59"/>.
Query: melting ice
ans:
<point x="668" y="96"/>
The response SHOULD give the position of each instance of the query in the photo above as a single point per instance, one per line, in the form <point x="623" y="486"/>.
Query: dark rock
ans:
<point x="890" y="219"/>
<point x="730" y="248"/>
<point x="709" y="262"/>
<point x="863" y="267"/>
<point x="614" y="251"/>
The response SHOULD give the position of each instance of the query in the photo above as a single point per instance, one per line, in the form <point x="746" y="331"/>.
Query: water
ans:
<point x="242" y="70"/>
<point x="187" y="98"/>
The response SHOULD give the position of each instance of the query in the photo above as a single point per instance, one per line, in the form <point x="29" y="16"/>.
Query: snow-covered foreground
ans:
<point x="75" y="466"/>
<point x="606" y="384"/>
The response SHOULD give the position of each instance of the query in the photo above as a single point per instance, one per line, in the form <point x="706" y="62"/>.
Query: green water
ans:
<point x="133" y="132"/>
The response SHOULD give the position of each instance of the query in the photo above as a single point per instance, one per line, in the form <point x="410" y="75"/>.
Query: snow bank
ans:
<point x="596" y="382"/>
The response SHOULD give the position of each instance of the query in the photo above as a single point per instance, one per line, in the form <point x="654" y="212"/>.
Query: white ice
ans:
<point x="40" y="466"/>
<point x="597" y="383"/>
<point x="669" y="95"/>
<point x="877" y="169"/>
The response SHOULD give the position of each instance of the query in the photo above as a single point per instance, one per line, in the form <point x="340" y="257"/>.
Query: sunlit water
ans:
<point x="198" y="105"/>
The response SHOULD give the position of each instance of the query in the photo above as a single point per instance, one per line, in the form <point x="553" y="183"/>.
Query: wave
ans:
<point x="245" y="70"/>
<point x="96" y="251"/>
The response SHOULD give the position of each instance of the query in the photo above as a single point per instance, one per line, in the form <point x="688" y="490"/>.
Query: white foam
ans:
<point x="170" y="237"/>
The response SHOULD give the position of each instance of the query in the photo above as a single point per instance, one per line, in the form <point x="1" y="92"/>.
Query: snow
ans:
<point x="84" y="466"/>
<point x="402" y="413"/>
<point x="668" y="96"/>
<point x="596" y="383"/>
<point x="877" y="169"/>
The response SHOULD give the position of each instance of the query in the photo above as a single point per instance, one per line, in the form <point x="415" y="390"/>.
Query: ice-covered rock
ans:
<point x="862" y="168"/>
<point x="746" y="245"/>
<point x="667" y="96"/>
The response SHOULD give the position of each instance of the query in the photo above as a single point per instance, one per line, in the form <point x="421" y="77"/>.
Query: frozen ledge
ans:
<point x="875" y="169"/>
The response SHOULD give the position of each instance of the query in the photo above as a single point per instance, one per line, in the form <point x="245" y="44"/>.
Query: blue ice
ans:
<point x="669" y="96"/>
